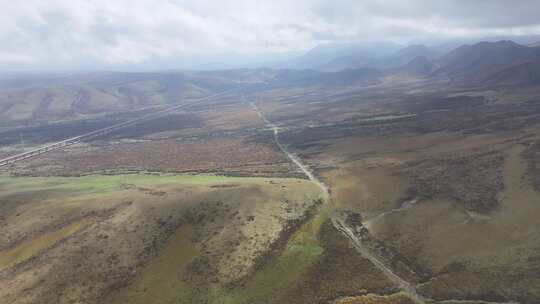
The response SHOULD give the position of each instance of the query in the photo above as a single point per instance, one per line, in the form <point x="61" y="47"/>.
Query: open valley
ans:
<point x="398" y="170"/>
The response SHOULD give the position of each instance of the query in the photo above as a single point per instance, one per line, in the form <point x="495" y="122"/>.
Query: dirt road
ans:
<point x="338" y="223"/>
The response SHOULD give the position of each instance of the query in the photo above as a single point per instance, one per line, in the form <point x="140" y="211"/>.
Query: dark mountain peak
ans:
<point x="420" y="60"/>
<point x="414" y="48"/>
<point x="483" y="47"/>
<point x="485" y="54"/>
<point x="334" y="57"/>
<point x="412" y="51"/>
<point x="418" y="66"/>
<point x="482" y="60"/>
<point x="500" y="43"/>
<point x="408" y="54"/>
<point x="527" y="73"/>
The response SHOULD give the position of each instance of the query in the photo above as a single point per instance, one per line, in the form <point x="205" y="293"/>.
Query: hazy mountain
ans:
<point x="33" y="97"/>
<point x="519" y="39"/>
<point x="483" y="60"/>
<point x="377" y="55"/>
<point x="448" y="45"/>
<point x="420" y="66"/>
<point x="324" y="57"/>
<point x="349" y="62"/>
<point x="413" y="58"/>
<point x="347" y="77"/>
<point x="527" y="73"/>
<point x="411" y="52"/>
<point x="28" y="96"/>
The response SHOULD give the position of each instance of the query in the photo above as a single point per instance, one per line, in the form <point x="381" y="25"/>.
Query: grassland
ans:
<point x="310" y="263"/>
<point x="442" y="181"/>
<point x="376" y="299"/>
<point x="164" y="279"/>
<point x="276" y="276"/>
<point x="174" y="238"/>
<point x="134" y="229"/>
<point x="161" y="281"/>
<point x="465" y="159"/>
<point x="224" y="139"/>
<point x="29" y="249"/>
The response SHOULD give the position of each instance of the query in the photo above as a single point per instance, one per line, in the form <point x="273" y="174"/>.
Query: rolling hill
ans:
<point x="52" y="97"/>
<point x="33" y="98"/>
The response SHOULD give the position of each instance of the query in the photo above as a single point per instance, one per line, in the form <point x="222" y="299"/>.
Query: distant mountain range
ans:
<point x="501" y="62"/>
<point x="490" y="63"/>
<point x="346" y="77"/>
<point x="334" y="57"/>
<point x="420" y="66"/>
<point x="30" y="97"/>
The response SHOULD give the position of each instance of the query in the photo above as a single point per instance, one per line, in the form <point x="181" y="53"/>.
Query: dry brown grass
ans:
<point x="376" y="299"/>
<point x="470" y="255"/>
<point x="366" y="190"/>
<point x="231" y="118"/>
<point x="219" y="155"/>
<point x="97" y="234"/>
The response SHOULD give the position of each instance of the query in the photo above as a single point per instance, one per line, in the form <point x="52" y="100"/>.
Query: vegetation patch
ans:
<point x="31" y="248"/>
<point x="280" y="272"/>
<point x="474" y="181"/>
<point x="161" y="281"/>
<point x="397" y="298"/>
<point x="340" y="271"/>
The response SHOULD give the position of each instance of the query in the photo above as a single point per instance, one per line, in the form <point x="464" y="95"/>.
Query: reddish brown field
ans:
<point x="232" y="118"/>
<point x="230" y="156"/>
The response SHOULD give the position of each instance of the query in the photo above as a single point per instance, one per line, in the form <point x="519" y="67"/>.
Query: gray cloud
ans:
<point x="110" y="34"/>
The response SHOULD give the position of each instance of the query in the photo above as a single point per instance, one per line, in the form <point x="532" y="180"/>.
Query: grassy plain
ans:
<point x="466" y="159"/>
<point x="134" y="229"/>
<point x="444" y="179"/>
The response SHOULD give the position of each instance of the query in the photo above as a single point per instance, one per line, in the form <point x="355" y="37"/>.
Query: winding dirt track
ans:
<point x="338" y="223"/>
<point x="407" y="287"/>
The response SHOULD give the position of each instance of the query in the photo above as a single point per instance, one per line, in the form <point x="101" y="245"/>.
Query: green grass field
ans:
<point x="281" y="273"/>
<point x="103" y="184"/>
<point x="51" y="209"/>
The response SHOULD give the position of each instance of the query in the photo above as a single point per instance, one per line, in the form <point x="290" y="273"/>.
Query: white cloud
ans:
<point x="105" y="33"/>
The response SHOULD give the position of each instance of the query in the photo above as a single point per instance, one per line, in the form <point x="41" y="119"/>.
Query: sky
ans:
<point x="154" y="34"/>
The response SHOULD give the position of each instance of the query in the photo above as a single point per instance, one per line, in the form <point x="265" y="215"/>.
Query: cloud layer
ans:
<point x="109" y="34"/>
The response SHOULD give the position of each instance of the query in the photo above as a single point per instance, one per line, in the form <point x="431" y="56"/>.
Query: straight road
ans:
<point x="77" y="139"/>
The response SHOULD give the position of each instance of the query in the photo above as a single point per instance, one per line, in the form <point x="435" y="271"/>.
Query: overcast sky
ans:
<point x="112" y="34"/>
